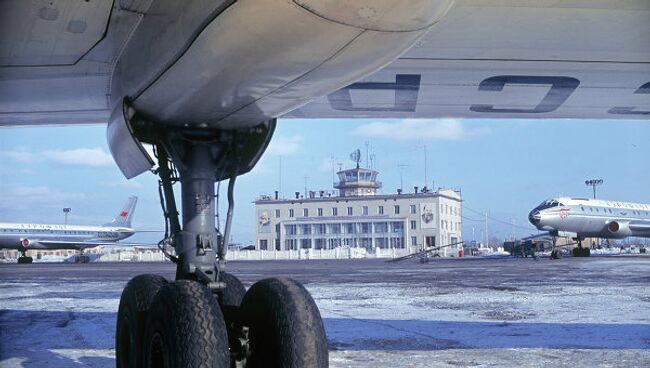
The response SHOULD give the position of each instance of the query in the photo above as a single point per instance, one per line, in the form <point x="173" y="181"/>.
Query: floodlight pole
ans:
<point x="65" y="214"/>
<point x="593" y="183"/>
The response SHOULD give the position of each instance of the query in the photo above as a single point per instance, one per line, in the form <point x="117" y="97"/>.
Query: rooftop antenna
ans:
<point x="356" y="156"/>
<point x="367" y="154"/>
<point x="280" y="177"/>
<point x="401" y="175"/>
<point x="426" y="178"/>
<point x="333" y="177"/>
<point x="372" y="161"/>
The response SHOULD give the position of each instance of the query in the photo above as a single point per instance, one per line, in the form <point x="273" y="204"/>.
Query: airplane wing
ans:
<point x="640" y="226"/>
<point x="62" y="244"/>
<point x="73" y="63"/>
<point x="544" y="234"/>
<point x="512" y="59"/>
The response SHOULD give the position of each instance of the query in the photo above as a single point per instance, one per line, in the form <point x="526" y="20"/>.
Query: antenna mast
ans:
<point x="280" y="177"/>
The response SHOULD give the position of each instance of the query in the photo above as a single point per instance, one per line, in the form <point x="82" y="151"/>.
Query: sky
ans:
<point x="503" y="167"/>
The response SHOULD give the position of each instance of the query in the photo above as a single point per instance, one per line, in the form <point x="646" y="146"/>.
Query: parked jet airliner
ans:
<point x="40" y="236"/>
<point x="586" y="218"/>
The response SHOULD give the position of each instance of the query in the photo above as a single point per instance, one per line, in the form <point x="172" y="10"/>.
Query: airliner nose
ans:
<point x="534" y="217"/>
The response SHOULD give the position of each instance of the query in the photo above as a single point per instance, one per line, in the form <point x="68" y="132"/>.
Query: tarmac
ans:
<point x="468" y="312"/>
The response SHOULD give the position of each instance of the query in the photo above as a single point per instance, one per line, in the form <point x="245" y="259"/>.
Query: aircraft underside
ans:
<point x="204" y="81"/>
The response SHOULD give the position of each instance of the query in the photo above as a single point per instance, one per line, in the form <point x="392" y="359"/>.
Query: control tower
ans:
<point x="358" y="181"/>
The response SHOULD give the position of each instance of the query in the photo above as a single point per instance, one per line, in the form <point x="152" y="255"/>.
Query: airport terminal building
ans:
<point x="359" y="217"/>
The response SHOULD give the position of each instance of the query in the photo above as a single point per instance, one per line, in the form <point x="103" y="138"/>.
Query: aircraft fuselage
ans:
<point x="43" y="236"/>
<point x="592" y="218"/>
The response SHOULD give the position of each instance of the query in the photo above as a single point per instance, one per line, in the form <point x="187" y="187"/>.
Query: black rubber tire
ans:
<point x="229" y="300"/>
<point x="586" y="252"/>
<point x="82" y="259"/>
<point x="185" y="328"/>
<point x="25" y="260"/>
<point x="577" y="252"/>
<point x="555" y="254"/>
<point x="135" y="302"/>
<point x="234" y="292"/>
<point x="286" y="329"/>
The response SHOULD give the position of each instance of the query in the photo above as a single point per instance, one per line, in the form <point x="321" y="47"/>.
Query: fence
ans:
<point x="264" y="255"/>
<point x="336" y="253"/>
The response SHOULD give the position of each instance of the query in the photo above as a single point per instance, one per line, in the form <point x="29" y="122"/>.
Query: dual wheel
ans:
<point x="25" y="259"/>
<point x="581" y="252"/>
<point x="82" y="259"/>
<point x="183" y="324"/>
<point x="556" y="254"/>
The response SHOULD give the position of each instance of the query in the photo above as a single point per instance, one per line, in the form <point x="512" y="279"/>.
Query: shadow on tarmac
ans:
<point x="69" y="339"/>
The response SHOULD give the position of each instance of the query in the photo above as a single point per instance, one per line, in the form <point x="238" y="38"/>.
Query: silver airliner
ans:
<point x="24" y="237"/>
<point x="585" y="218"/>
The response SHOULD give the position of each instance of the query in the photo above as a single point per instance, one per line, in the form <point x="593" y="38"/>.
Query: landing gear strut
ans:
<point x="82" y="258"/>
<point x="23" y="257"/>
<point x="205" y="317"/>
<point x="580" y="251"/>
<point x="555" y="253"/>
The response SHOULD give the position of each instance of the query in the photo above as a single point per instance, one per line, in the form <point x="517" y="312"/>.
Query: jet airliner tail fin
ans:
<point x="126" y="214"/>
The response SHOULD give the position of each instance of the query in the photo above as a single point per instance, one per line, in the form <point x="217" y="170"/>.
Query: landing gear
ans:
<point x="555" y="253"/>
<point x="23" y="259"/>
<point x="205" y="317"/>
<point x="82" y="258"/>
<point x="580" y="251"/>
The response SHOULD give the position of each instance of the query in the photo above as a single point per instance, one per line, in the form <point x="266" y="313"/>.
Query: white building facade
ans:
<point x="360" y="218"/>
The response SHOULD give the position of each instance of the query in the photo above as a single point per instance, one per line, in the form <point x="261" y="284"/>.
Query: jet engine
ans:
<point x="619" y="230"/>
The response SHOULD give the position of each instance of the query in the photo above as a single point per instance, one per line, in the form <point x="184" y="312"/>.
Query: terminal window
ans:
<point x="397" y="209"/>
<point x="380" y="209"/>
<point x="413" y="210"/>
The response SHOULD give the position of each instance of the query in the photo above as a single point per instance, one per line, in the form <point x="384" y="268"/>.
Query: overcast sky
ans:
<point x="504" y="167"/>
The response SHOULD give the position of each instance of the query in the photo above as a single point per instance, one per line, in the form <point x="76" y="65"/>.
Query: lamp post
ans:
<point x="593" y="183"/>
<point x="65" y="213"/>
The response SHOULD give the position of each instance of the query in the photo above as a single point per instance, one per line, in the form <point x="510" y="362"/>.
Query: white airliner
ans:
<point x="205" y="81"/>
<point x="24" y="237"/>
<point x="583" y="218"/>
